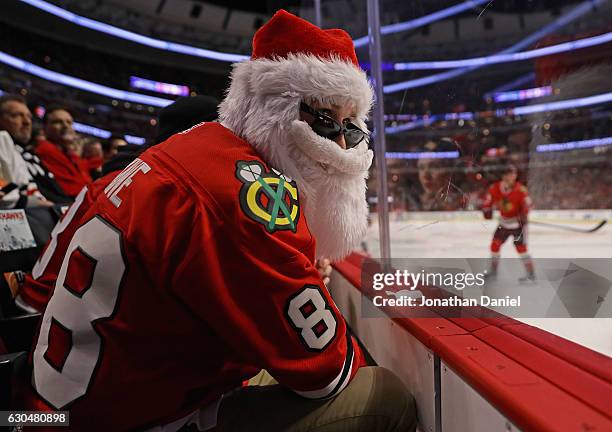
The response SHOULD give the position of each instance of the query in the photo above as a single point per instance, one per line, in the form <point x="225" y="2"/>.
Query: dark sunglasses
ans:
<point x="325" y="126"/>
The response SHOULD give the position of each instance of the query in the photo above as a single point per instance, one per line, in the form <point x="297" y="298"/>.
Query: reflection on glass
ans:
<point x="560" y="143"/>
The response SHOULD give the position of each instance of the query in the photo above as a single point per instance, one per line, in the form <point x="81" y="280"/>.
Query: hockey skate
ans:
<point x="490" y="274"/>
<point x="528" y="279"/>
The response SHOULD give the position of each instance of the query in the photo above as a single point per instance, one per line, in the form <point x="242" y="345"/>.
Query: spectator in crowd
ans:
<point x="69" y="169"/>
<point x="18" y="187"/>
<point x="438" y="179"/>
<point x="111" y="146"/>
<point x="76" y="146"/>
<point x="31" y="290"/>
<point x="93" y="156"/>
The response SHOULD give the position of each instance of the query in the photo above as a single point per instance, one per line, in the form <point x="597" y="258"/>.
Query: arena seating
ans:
<point x="11" y="367"/>
<point x="41" y="221"/>
<point x="17" y="329"/>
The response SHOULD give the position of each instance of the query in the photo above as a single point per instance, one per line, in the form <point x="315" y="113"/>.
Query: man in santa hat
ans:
<point x="195" y="269"/>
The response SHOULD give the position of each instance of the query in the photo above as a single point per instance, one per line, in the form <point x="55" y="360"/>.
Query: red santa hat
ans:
<point x="294" y="59"/>
<point x="288" y="34"/>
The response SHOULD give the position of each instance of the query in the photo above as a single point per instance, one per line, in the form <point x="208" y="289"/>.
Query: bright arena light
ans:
<point x="423" y="155"/>
<point x="230" y="57"/>
<point x="508" y="57"/>
<point x="105" y="134"/>
<point x="81" y="84"/>
<point x="158" y="87"/>
<point x="525" y="110"/>
<point x="91" y="130"/>
<point x="134" y="37"/>
<point x="579" y="11"/>
<point x="574" y="145"/>
<point x="422" y="21"/>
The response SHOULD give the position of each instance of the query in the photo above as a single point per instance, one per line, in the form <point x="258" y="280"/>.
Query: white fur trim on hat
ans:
<point x="299" y="77"/>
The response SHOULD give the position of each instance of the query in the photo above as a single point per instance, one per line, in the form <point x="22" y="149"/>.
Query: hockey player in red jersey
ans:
<point x="195" y="268"/>
<point x="512" y="200"/>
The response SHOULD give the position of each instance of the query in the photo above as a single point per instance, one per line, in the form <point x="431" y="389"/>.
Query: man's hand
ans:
<point x="43" y="202"/>
<point x="325" y="269"/>
<point x="487" y="213"/>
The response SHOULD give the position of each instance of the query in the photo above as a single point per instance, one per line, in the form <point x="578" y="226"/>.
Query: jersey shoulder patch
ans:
<point x="268" y="196"/>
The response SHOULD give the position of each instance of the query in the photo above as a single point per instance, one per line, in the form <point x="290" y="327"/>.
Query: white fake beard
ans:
<point x="262" y="105"/>
<point x="332" y="182"/>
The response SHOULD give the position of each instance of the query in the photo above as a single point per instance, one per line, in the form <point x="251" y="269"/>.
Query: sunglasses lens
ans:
<point x="326" y="127"/>
<point x="353" y="135"/>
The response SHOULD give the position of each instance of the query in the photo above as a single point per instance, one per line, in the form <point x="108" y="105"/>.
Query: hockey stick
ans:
<point x="570" y="228"/>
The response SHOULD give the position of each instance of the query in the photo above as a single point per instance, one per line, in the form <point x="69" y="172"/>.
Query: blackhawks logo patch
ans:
<point x="268" y="197"/>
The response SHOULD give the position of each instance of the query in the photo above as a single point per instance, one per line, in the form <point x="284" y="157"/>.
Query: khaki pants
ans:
<point x="374" y="401"/>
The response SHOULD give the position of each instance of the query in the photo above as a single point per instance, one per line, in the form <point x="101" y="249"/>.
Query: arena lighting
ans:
<point x="508" y="57"/>
<point x="105" y="134"/>
<point x="562" y="105"/>
<point x="91" y="130"/>
<point x="391" y="130"/>
<point x="81" y="84"/>
<point x="523" y="79"/>
<point x="229" y="57"/>
<point x="159" y="87"/>
<point x="525" y="110"/>
<point x="134" y="37"/>
<point x="423" y="155"/>
<point x="525" y="94"/>
<point x="560" y="22"/>
<point x="135" y="139"/>
<point x="574" y="145"/>
<point x="422" y="21"/>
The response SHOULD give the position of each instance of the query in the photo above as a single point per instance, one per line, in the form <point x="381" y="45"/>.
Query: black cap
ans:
<point x="125" y="155"/>
<point x="184" y="113"/>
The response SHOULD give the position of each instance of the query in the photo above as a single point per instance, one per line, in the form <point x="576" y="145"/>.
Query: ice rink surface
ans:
<point x="469" y="236"/>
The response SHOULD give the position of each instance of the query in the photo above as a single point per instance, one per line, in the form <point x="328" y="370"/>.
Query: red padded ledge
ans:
<point x="350" y="269"/>
<point x="589" y="388"/>
<point x="569" y="371"/>
<point x="424" y="329"/>
<point x="350" y="272"/>
<point x="586" y="359"/>
<point x="530" y="401"/>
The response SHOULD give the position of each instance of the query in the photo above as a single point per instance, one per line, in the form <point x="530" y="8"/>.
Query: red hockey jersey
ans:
<point x="70" y="171"/>
<point x="190" y="273"/>
<point x="37" y="285"/>
<point x="513" y="204"/>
